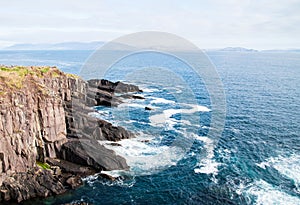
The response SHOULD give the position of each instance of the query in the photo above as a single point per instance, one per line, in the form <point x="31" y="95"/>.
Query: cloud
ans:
<point x="208" y="23"/>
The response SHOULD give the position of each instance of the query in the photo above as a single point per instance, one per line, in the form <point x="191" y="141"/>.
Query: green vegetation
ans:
<point x="56" y="74"/>
<point x="23" y="70"/>
<point x="72" y="76"/>
<point x="43" y="165"/>
<point x="45" y="70"/>
<point x="14" y="77"/>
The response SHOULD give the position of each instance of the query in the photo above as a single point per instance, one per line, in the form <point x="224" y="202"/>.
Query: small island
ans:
<point x="48" y="139"/>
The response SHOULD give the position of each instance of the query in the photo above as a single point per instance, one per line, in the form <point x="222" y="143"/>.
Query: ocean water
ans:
<point x="255" y="161"/>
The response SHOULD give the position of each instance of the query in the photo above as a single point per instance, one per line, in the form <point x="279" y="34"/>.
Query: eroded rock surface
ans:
<point x="44" y="116"/>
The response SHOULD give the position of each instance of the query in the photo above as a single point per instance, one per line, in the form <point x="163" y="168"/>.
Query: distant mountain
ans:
<point x="237" y="49"/>
<point x="57" y="46"/>
<point x="120" y="46"/>
<point x="282" y="51"/>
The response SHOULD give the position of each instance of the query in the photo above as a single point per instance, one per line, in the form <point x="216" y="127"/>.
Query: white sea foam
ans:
<point x="161" y="101"/>
<point x="266" y="194"/>
<point x="98" y="113"/>
<point x="207" y="165"/>
<point x="150" y="90"/>
<point x="196" y="108"/>
<point x="145" y="158"/>
<point x="90" y="180"/>
<point x="116" y="173"/>
<point x="164" y="118"/>
<point x="132" y="105"/>
<point x="287" y="166"/>
<point x="105" y="115"/>
<point x="186" y="122"/>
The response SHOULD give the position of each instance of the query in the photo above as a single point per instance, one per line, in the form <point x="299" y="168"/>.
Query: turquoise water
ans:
<point x="255" y="161"/>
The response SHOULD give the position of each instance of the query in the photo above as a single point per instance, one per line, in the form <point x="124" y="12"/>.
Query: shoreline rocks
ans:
<point x="44" y="117"/>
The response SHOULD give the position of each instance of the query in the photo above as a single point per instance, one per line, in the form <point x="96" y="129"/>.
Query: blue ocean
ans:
<point x="256" y="160"/>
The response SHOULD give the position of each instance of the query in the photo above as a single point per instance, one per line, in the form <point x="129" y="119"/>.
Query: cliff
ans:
<point x="48" y="138"/>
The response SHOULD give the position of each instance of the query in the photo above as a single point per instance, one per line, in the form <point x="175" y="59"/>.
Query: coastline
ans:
<point x="48" y="139"/>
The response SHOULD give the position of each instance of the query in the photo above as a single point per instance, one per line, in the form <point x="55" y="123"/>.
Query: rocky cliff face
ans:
<point x="32" y="120"/>
<point x="44" y="118"/>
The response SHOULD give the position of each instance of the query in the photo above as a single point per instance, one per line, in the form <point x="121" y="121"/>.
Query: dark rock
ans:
<point x="69" y="167"/>
<point x="5" y="195"/>
<point x="115" y="144"/>
<point x="111" y="87"/>
<point x="125" y="88"/>
<point x="48" y="118"/>
<point x="91" y="153"/>
<point x="146" y="141"/>
<point x="107" y="176"/>
<point x="102" y="97"/>
<point x="128" y="96"/>
<point x="74" y="182"/>
<point x="56" y="170"/>
<point x="82" y="125"/>
<point x="34" y="183"/>
<point x="148" y="108"/>
<point x="138" y="97"/>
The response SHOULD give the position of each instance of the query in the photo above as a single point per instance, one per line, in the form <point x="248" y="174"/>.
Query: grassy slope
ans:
<point x="12" y="78"/>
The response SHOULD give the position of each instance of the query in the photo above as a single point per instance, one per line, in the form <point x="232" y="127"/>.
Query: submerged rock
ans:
<point x="129" y="96"/>
<point x="148" y="108"/>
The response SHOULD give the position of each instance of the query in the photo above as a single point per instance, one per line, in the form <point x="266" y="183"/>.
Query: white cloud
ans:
<point x="208" y="23"/>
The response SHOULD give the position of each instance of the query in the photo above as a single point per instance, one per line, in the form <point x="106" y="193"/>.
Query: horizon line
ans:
<point x="10" y="47"/>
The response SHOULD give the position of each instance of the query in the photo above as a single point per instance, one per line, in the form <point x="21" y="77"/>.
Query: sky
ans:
<point x="258" y="24"/>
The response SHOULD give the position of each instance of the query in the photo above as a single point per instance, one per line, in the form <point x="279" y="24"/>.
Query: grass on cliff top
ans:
<point x="13" y="77"/>
<point x="22" y="71"/>
<point x="43" y="165"/>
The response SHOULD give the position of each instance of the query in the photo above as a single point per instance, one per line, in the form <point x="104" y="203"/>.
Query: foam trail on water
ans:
<point x="287" y="166"/>
<point x="165" y="117"/>
<point x="132" y="105"/>
<point x="161" y="101"/>
<point x="207" y="165"/>
<point x="266" y="194"/>
<point x="145" y="158"/>
<point x="149" y="90"/>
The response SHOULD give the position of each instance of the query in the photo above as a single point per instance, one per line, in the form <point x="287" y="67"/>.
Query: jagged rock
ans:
<point x="107" y="176"/>
<point x="148" y="108"/>
<point x="129" y="96"/>
<point x="74" y="182"/>
<point x="46" y="117"/>
<point x="56" y="170"/>
<point x="102" y="97"/>
<point x="115" y="144"/>
<point x="145" y="141"/>
<point x="91" y="153"/>
<point x="34" y="183"/>
<point x="82" y="125"/>
<point x="32" y="122"/>
<point x="69" y="167"/>
<point x="117" y="87"/>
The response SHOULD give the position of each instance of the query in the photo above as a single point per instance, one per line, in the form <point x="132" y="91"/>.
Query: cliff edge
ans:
<point x="48" y="139"/>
